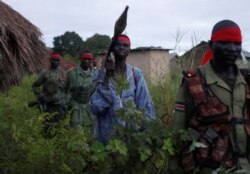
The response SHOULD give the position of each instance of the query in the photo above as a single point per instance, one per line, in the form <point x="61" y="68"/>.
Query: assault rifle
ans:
<point x="42" y="103"/>
<point x="120" y="26"/>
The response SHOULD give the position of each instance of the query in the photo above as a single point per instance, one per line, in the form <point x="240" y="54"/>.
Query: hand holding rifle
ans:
<point x="109" y="61"/>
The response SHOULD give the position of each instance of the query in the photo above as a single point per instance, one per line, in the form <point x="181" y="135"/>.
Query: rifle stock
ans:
<point x="119" y="27"/>
<point x="33" y="103"/>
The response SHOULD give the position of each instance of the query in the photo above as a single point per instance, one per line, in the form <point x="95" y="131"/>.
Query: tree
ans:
<point x="97" y="43"/>
<point x="69" y="42"/>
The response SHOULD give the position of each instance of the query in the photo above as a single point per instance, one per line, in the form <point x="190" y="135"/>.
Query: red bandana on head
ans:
<point x="86" y="56"/>
<point x="124" y="39"/>
<point x="227" y="34"/>
<point x="55" y="56"/>
<point x="70" y="65"/>
<point x="230" y="34"/>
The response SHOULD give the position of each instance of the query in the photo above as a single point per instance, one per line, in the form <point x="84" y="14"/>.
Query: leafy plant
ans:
<point x="139" y="146"/>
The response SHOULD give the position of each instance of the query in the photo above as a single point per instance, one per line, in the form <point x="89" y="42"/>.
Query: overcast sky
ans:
<point x="150" y="22"/>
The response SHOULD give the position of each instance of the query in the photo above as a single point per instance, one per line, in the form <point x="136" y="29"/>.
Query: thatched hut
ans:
<point x="21" y="48"/>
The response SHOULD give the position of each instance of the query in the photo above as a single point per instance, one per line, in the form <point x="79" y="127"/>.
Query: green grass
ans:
<point x="163" y="93"/>
<point x="25" y="150"/>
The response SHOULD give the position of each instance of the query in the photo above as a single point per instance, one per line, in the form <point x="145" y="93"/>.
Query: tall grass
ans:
<point x="23" y="147"/>
<point x="25" y="150"/>
<point x="164" y="91"/>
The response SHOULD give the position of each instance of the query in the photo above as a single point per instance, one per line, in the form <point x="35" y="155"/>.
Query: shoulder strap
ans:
<point x="246" y="75"/>
<point x="61" y="74"/>
<point x="135" y="80"/>
<point x="195" y="85"/>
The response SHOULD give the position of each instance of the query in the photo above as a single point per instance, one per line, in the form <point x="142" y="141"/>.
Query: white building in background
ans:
<point x="154" y="61"/>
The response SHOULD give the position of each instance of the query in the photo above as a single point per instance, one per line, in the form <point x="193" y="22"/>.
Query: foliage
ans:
<point x="164" y="92"/>
<point x="141" y="146"/>
<point x="137" y="146"/>
<point x="149" y="143"/>
<point x="97" y="43"/>
<point x="69" y="42"/>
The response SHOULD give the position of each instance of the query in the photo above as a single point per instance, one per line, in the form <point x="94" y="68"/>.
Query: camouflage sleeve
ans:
<point x="67" y="82"/>
<point x="36" y="85"/>
<point x="67" y="86"/>
<point x="184" y="107"/>
<point x="63" y="75"/>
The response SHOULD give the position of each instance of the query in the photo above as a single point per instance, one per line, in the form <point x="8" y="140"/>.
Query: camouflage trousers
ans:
<point x="57" y="113"/>
<point x="82" y="118"/>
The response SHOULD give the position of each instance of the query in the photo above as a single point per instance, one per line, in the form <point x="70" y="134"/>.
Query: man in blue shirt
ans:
<point x="106" y="100"/>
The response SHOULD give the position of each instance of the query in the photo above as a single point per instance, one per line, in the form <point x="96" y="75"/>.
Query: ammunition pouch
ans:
<point x="188" y="161"/>
<point x="212" y="155"/>
<point x="80" y="95"/>
<point x="211" y="136"/>
<point x="51" y="87"/>
<point x="213" y="112"/>
<point x="209" y="108"/>
<point x="211" y="125"/>
<point x="216" y="148"/>
<point x="194" y="133"/>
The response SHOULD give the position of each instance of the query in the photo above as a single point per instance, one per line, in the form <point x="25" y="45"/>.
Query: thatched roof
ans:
<point x="21" y="47"/>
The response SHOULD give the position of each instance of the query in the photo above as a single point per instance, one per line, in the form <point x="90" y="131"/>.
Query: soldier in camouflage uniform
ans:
<point x="213" y="105"/>
<point x="51" y="97"/>
<point x="77" y="87"/>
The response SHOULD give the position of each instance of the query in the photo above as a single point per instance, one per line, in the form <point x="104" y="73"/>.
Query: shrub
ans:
<point x="139" y="147"/>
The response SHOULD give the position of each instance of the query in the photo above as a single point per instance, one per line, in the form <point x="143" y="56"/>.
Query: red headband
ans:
<point x="86" y="56"/>
<point x="70" y="65"/>
<point x="231" y="34"/>
<point x="124" y="39"/>
<point x="207" y="57"/>
<point x="55" y="56"/>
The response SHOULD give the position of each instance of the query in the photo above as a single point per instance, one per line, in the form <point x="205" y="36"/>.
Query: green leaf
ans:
<point x="144" y="154"/>
<point x="117" y="146"/>
<point x="159" y="163"/>
<point x="121" y="84"/>
<point x="168" y="146"/>
<point x="99" y="151"/>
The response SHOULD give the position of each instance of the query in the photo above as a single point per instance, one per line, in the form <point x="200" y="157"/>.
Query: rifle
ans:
<point x="42" y="102"/>
<point x="120" y="26"/>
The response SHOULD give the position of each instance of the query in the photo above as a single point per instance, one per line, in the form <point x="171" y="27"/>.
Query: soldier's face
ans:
<point x="121" y="49"/>
<point x="54" y="63"/>
<point x="226" y="53"/>
<point x="85" y="63"/>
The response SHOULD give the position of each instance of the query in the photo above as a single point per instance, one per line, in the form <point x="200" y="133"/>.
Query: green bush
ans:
<point x="139" y="147"/>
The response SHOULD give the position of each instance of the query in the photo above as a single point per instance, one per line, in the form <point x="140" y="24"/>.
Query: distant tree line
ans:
<point x="72" y="44"/>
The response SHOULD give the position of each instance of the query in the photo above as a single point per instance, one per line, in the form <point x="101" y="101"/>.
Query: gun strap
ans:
<point x="246" y="75"/>
<point x="135" y="81"/>
<point x="236" y="120"/>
